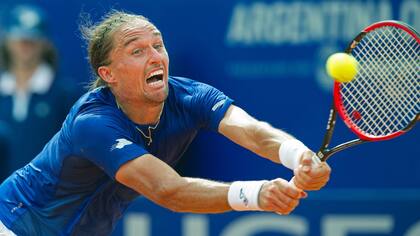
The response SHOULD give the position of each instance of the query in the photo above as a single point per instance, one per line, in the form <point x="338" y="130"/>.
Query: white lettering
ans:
<point x="237" y="29"/>
<point x="276" y="23"/>
<point x="414" y="230"/>
<point x="140" y="224"/>
<point x="137" y="225"/>
<point x="195" y="225"/>
<point x="253" y="224"/>
<point x="336" y="225"/>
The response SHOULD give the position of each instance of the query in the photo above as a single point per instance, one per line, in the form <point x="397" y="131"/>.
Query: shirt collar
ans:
<point x="39" y="83"/>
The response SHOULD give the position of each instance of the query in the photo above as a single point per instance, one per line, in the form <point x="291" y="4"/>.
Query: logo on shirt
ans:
<point x="218" y="104"/>
<point x="121" y="143"/>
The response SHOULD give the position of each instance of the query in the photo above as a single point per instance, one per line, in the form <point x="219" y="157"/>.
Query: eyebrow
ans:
<point x="155" y="33"/>
<point x="130" y="41"/>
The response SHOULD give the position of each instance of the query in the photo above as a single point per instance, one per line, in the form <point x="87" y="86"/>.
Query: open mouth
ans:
<point x="155" y="78"/>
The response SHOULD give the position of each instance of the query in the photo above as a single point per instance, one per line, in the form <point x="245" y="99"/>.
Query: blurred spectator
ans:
<point x="4" y="132"/>
<point x="33" y="100"/>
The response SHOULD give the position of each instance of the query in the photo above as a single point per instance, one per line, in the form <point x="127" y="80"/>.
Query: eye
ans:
<point x="137" y="51"/>
<point x="158" y="46"/>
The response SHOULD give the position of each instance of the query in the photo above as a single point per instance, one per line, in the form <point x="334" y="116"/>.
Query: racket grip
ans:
<point x="315" y="162"/>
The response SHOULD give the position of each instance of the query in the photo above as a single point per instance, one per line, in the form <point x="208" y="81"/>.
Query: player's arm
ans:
<point x="160" y="183"/>
<point x="104" y="142"/>
<point x="252" y="134"/>
<point x="265" y="140"/>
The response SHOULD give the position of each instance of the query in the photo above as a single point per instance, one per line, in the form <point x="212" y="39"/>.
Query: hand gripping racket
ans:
<point x="383" y="100"/>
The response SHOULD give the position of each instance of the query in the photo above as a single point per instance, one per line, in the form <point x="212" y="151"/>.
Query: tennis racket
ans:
<point x="383" y="101"/>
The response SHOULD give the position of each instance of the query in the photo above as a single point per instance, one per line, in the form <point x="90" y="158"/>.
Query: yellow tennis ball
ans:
<point x="342" y="67"/>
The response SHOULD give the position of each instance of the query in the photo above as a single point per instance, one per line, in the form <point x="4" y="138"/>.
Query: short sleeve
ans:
<point x="209" y="106"/>
<point x="103" y="140"/>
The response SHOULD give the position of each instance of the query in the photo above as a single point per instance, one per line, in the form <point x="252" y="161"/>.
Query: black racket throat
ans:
<point x="325" y="152"/>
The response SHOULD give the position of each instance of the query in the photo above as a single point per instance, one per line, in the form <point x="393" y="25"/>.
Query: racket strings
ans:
<point x="384" y="98"/>
<point x="401" y="85"/>
<point x="392" y="91"/>
<point x="367" y="88"/>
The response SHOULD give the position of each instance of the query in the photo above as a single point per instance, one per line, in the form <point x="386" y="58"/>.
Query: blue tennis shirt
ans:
<point x="70" y="187"/>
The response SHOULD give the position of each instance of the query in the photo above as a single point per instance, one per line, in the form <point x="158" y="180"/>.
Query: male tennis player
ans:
<point x="121" y="139"/>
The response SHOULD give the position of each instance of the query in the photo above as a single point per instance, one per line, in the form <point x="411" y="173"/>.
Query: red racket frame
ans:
<point x="324" y="153"/>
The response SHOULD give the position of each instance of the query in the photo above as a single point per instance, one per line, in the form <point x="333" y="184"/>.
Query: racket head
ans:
<point x="383" y="100"/>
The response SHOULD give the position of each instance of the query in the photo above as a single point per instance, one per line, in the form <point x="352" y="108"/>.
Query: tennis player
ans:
<point x="122" y="139"/>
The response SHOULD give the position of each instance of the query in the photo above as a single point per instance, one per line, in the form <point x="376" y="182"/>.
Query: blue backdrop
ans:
<point x="269" y="56"/>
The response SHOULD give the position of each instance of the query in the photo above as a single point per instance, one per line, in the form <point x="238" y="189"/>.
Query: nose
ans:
<point x="155" y="56"/>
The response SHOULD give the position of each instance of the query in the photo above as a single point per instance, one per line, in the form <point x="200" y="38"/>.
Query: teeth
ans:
<point x="158" y="72"/>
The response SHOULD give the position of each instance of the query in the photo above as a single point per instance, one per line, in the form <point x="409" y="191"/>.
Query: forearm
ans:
<point x="267" y="140"/>
<point x="256" y="136"/>
<point x="158" y="182"/>
<point x="198" y="196"/>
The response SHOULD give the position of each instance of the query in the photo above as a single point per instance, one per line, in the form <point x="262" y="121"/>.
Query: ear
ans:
<point x="106" y="74"/>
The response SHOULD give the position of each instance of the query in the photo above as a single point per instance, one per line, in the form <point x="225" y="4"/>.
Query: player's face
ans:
<point x="140" y="63"/>
<point x="25" y="52"/>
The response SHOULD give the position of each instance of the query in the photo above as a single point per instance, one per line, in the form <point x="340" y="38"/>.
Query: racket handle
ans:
<point x="315" y="162"/>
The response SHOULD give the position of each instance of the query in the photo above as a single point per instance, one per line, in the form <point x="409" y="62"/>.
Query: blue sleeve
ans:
<point x="209" y="106"/>
<point x="105" y="141"/>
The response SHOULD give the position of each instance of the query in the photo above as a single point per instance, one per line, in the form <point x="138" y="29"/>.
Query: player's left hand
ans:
<point x="309" y="175"/>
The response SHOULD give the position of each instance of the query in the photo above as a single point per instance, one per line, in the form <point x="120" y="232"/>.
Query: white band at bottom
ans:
<point x="243" y="195"/>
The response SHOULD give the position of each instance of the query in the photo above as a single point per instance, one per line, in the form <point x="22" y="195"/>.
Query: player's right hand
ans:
<point x="309" y="175"/>
<point x="279" y="196"/>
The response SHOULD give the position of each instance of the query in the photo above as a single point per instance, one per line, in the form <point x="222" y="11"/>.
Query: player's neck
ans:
<point x="141" y="113"/>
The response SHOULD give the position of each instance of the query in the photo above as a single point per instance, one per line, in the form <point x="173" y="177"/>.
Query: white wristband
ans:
<point x="243" y="195"/>
<point x="290" y="152"/>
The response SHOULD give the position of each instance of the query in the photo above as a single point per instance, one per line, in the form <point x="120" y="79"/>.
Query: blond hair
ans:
<point x="100" y="41"/>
